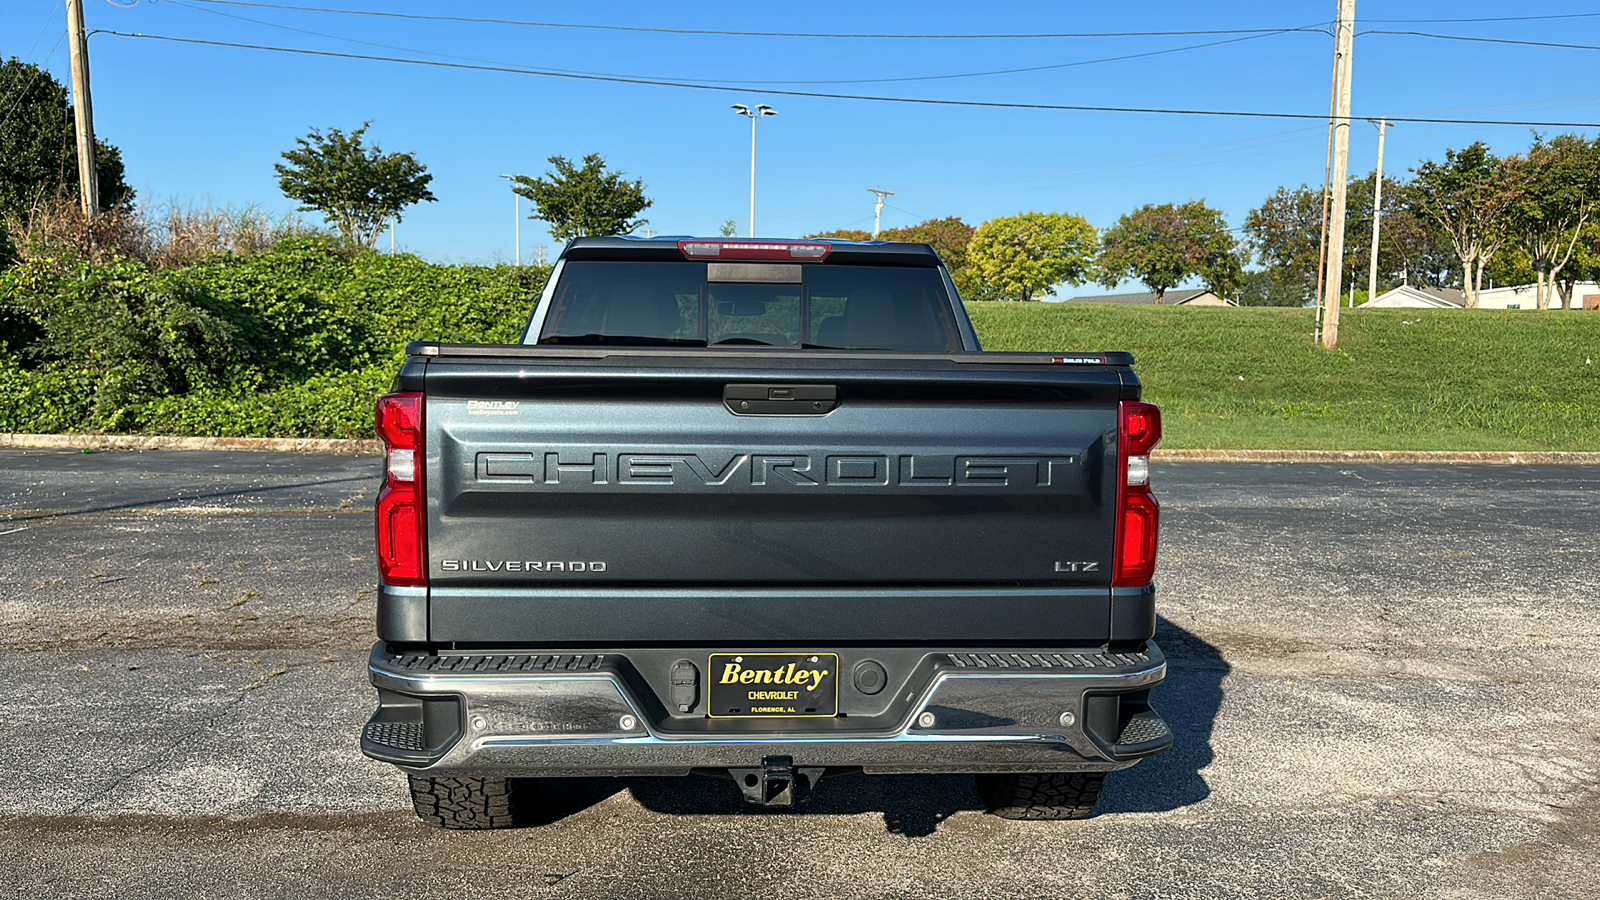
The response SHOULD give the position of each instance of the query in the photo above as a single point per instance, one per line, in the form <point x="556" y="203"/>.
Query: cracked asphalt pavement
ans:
<point x="1381" y="684"/>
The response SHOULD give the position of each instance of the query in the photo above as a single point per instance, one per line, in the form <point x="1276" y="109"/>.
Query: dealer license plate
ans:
<point x="773" y="685"/>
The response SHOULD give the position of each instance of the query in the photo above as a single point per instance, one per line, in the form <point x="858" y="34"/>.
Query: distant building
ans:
<point x="1585" y="295"/>
<point x="1408" y="296"/>
<point x="1171" y="298"/>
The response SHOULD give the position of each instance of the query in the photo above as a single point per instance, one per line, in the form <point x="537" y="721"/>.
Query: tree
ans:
<point x="358" y="188"/>
<point x="578" y="202"/>
<point x="1022" y="257"/>
<point x="729" y="228"/>
<point x="1285" y="236"/>
<point x="38" y="148"/>
<point x="1585" y="264"/>
<point x="1272" y="287"/>
<point x="1163" y="245"/>
<point x="950" y="237"/>
<point x="1560" y="190"/>
<point x="1467" y="195"/>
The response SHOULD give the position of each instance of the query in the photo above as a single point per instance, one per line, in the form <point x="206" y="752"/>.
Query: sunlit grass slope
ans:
<point x="1399" y="380"/>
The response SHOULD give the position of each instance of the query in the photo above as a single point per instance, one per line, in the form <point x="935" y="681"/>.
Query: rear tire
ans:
<point x="472" y="804"/>
<point x="1042" y="795"/>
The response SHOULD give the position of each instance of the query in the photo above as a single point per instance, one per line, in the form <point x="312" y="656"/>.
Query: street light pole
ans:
<point x="516" y="213"/>
<point x="753" y="114"/>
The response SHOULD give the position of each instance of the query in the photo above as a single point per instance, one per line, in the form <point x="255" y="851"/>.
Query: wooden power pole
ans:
<point x="1344" y="45"/>
<point x="83" y="107"/>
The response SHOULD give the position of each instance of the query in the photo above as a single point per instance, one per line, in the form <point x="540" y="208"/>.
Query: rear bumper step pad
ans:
<point x="590" y="714"/>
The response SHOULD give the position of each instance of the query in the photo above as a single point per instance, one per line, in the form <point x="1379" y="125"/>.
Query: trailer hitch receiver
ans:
<point x="777" y="782"/>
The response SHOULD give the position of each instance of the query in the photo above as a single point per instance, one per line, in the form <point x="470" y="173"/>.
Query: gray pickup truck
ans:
<point x="762" y="510"/>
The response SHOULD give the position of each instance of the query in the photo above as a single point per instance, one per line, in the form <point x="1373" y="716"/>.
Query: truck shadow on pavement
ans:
<point x="915" y="805"/>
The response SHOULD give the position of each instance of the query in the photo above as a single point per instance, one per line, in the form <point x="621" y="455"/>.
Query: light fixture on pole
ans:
<point x="516" y="212"/>
<point x="753" y="114"/>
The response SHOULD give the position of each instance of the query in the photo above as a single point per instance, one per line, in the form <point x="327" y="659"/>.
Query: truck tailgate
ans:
<point x="591" y="481"/>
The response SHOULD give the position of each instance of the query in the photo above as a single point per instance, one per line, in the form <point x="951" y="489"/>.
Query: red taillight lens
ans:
<point x="1138" y="513"/>
<point x="402" y="541"/>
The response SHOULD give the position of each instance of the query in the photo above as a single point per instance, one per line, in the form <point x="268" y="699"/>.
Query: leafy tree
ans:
<point x="950" y="237"/>
<point x="1560" y="191"/>
<point x="38" y="149"/>
<point x="578" y="202"/>
<point x="1584" y="266"/>
<point x="1023" y="257"/>
<point x="1285" y="235"/>
<point x="841" y="234"/>
<point x="729" y="228"/>
<point x="1161" y="245"/>
<point x="358" y="188"/>
<point x="1285" y="232"/>
<point x="1468" y="196"/>
<point x="1273" y="287"/>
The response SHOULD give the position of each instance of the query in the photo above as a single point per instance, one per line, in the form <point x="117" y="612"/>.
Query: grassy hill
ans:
<point x="1399" y="380"/>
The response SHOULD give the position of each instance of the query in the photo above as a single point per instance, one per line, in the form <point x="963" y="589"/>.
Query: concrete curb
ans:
<point x="373" y="448"/>
<point x="1487" y="457"/>
<point x="174" y="442"/>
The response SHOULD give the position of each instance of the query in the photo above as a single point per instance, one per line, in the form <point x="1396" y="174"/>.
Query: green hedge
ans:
<point x="297" y="341"/>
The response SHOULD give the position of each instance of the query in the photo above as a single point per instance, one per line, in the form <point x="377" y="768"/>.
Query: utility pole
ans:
<point x="1344" y="45"/>
<point x="541" y="254"/>
<point x="1377" y="215"/>
<point x="78" y="42"/>
<point x="516" y="213"/>
<point x="877" y="212"/>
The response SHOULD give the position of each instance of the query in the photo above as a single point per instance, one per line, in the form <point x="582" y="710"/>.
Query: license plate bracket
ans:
<point x="773" y="685"/>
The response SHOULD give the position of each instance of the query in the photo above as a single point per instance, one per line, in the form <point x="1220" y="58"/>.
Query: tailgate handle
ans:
<point x="780" y="399"/>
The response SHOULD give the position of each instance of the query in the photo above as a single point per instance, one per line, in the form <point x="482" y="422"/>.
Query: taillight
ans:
<point x="1138" y="513"/>
<point x="402" y="542"/>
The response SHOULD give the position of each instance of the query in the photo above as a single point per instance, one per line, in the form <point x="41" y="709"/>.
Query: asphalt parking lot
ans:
<point x="1381" y="684"/>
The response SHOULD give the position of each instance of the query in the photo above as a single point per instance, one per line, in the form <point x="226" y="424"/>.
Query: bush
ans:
<point x="297" y="340"/>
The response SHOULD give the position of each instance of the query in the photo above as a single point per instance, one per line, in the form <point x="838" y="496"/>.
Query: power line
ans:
<point x="721" y="81"/>
<point x="38" y="68"/>
<point x="1481" y="40"/>
<point x="1069" y="65"/>
<point x="42" y="29"/>
<point x="784" y="34"/>
<point x="984" y="104"/>
<point x="1489" y="19"/>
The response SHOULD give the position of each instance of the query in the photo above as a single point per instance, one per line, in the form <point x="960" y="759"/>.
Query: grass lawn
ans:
<point x="1399" y="380"/>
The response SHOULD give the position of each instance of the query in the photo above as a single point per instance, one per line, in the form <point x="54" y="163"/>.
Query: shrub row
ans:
<point x="297" y="341"/>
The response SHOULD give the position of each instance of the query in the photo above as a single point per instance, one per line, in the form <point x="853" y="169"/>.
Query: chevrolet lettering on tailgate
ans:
<point x="568" y="468"/>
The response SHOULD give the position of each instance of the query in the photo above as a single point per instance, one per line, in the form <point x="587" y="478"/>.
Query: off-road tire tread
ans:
<point x="1042" y="795"/>
<point x="469" y="804"/>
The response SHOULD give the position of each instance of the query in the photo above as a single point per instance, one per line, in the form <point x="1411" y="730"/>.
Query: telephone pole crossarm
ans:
<point x="877" y="211"/>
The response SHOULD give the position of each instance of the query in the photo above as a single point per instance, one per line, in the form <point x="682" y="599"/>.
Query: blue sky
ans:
<point x="204" y="124"/>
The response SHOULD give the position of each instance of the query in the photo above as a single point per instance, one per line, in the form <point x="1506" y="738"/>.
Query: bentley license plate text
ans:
<point x="774" y="685"/>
